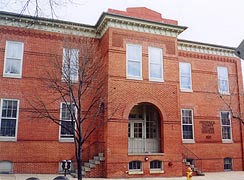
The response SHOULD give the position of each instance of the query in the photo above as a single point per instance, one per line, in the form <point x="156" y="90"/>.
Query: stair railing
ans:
<point x="189" y="154"/>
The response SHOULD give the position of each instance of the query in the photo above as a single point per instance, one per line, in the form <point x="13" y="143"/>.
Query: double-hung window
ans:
<point x="133" y="61"/>
<point x="185" y="76"/>
<point x="226" y="126"/>
<point x="187" y="125"/>
<point x="9" y="118"/>
<point x="223" y="82"/>
<point x="155" y="64"/>
<point x="70" y="65"/>
<point x="13" y="59"/>
<point x="67" y="121"/>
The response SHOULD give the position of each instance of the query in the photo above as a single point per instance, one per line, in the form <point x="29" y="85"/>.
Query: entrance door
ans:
<point x="136" y="136"/>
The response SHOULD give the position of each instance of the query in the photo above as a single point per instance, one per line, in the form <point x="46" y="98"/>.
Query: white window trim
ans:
<point x="77" y="77"/>
<point x="11" y="75"/>
<point x="161" y="65"/>
<point x="127" y="59"/>
<point x="231" y="164"/>
<point x="6" y="138"/>
<point x="223" y="92"/>
<point x="63" y="139"/>
<point x="185" y="89"/>
<point x="188" y="141"/>
<point x="136" y="171"/>
<point x="231" y="138"/>
<point x="157" y="170"/>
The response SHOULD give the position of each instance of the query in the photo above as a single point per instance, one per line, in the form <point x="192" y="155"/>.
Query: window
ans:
<point x="228" y="164"/>
<point x="187" y="125"/>
<point x="185" y="77"/>
<point x="223" y="82"/>
<point x="226" y="126"/>
<point x="67" y="126"/>
<point x="70" y="64"/>
<point x="135" y="167"/>
<point x="9" y="117"/>
<point x="6" y="167"/>
<point x="156" y="166"/>
<point x="13" y="59"/>
<point x="134" y="61"/>
<point x="155" y="64"/>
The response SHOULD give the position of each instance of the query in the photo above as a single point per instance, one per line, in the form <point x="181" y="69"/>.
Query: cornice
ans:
<point x="44" y="24"/>
<point x="205" y="48"/>
<point x="134" y="24"/>
<point x="105" y="21"/>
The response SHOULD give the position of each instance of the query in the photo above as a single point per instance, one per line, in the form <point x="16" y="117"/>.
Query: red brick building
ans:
<point x="167" y="97"/>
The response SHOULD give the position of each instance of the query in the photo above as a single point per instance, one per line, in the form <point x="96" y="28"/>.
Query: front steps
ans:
<point x="194" y="169"/>
<point x="92" y="168"/>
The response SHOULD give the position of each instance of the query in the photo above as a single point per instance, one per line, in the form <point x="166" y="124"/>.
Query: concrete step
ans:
<point x="90" y="165"/>
<point x="100" y="154"/>
<point x="98" y="158"/>
<point x="85" y="168"/>
<point x="94" y="161"/>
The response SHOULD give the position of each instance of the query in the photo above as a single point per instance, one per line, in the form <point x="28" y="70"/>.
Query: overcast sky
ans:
<point x="211" y="21"/>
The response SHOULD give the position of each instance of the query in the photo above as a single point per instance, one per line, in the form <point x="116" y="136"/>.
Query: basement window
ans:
<point x="135" y="167"/>
<point x="156" y="166"/>
<point x="228" y="164"/>
<point x="6" y="167"/>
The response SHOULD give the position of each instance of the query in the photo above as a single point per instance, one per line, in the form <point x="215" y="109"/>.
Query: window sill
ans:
<point x="17" y="76"/>
<point x="135" y="172"/>
<point x="146" y="154"/>
<point x="156" y="80"/>
<point x="229" y="141"/>
<point x="186" y="141"/>
<point x="4" y="138"/>
<point x="156" y="171"/>
<point x="186" y="90"/>
<point x="134" y="78"/>
<point x="66" y="140"/>
<point x="224" y="93"/>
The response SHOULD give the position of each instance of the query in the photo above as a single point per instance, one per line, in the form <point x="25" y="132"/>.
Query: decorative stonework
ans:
<point x="132" y="24"/>
<point x="203" y="48"/>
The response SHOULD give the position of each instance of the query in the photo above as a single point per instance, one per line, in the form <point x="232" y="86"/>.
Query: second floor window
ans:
<point x="223" y="82"/>
<point x="133" y="61"/>
<point x="187" y="124"/>
<point x="155" y="64"/>
<point x="13" y="59"/>
<point x="70" y="65"/>
<point x="185" y="76"/>
<point x="226" y="126"/>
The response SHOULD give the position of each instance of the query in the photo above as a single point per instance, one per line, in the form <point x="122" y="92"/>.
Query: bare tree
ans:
<point x="37" y="7"/>
<point x="78" y="82"/>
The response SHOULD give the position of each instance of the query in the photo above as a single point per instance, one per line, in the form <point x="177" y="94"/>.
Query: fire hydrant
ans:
<point x="188" y="173"/>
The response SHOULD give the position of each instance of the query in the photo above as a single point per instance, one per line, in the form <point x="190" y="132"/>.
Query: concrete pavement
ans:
<point x="232" y="175"/>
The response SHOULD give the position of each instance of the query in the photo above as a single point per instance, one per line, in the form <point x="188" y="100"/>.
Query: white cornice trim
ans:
<point x="45" y="25"/>
<point x="205" y="48"/>
<point x="137" y="25"/>
<point x="105" y="21"/>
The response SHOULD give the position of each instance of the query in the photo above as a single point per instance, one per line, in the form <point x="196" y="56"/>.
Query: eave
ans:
<point x="206" y="48"/>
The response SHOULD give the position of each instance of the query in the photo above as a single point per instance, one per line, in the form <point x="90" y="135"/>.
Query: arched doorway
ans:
<point x="144" y="129"/>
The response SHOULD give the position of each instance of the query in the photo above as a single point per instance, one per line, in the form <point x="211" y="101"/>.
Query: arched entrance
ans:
<point x="144" y="129"/>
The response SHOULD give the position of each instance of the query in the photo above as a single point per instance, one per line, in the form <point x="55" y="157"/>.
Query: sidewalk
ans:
<point x="236" y="175"/>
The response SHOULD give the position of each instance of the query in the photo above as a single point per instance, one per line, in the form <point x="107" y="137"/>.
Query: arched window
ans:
<point x="144" y="129"/>
<point x="227" y="164"/>
<point x="6" y="167"/>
